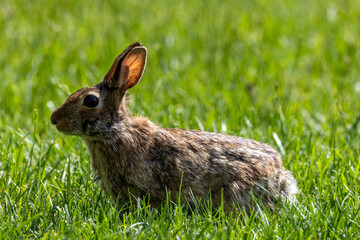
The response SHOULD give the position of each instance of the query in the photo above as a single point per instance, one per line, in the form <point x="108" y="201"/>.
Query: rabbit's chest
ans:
<point x="104" y="165"/>
<point x="101" y="168"/>
<point x="114" y="171"/>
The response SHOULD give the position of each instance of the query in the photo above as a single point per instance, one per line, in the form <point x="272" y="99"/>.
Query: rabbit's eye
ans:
<point x="91" y="101"/>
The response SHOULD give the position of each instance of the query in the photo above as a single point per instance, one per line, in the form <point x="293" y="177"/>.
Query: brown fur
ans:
<point x="135" y="155"/>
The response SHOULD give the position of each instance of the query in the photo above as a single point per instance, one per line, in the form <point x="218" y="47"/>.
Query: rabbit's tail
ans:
<point x="289" y="186"/>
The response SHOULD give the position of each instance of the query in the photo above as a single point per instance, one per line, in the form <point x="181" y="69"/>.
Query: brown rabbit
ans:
<point x="135" y="157"/>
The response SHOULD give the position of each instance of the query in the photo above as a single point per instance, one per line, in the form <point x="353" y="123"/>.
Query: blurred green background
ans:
<point x="283" y="72"/>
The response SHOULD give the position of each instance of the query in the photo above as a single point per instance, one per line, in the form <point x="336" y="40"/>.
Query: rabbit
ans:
<point x="135" y="158"/>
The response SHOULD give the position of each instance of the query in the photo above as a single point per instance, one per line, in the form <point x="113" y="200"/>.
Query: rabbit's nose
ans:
<point x="53" y="119"/>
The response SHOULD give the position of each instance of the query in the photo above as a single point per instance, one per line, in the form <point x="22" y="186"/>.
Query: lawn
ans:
<point x="284" y="72"/>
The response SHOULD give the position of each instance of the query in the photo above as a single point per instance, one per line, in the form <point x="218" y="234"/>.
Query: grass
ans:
<point x="285" y="73"/>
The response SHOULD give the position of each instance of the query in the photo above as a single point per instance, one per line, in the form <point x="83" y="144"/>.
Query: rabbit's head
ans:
<point x="92" y="112"/>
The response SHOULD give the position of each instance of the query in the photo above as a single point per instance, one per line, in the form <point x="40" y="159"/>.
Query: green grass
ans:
<point x="286" y="69"/>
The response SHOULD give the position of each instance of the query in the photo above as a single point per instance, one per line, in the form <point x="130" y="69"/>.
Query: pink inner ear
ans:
<point x="136" y="62"/>
<point x="132" y="58"/>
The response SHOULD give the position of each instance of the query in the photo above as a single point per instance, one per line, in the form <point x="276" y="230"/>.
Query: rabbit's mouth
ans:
<point x="67" y="129"/>
<point x="76" y="133"/>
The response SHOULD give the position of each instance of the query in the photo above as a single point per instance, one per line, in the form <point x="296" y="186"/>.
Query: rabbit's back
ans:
<point x="237" y="166"/>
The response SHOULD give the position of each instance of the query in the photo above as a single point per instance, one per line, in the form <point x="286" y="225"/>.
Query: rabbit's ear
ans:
<point x="132" y="67"/>
<point x="127" y="68"/>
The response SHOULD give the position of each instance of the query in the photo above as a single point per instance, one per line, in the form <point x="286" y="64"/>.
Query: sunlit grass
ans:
<point x="285" y="73"/>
